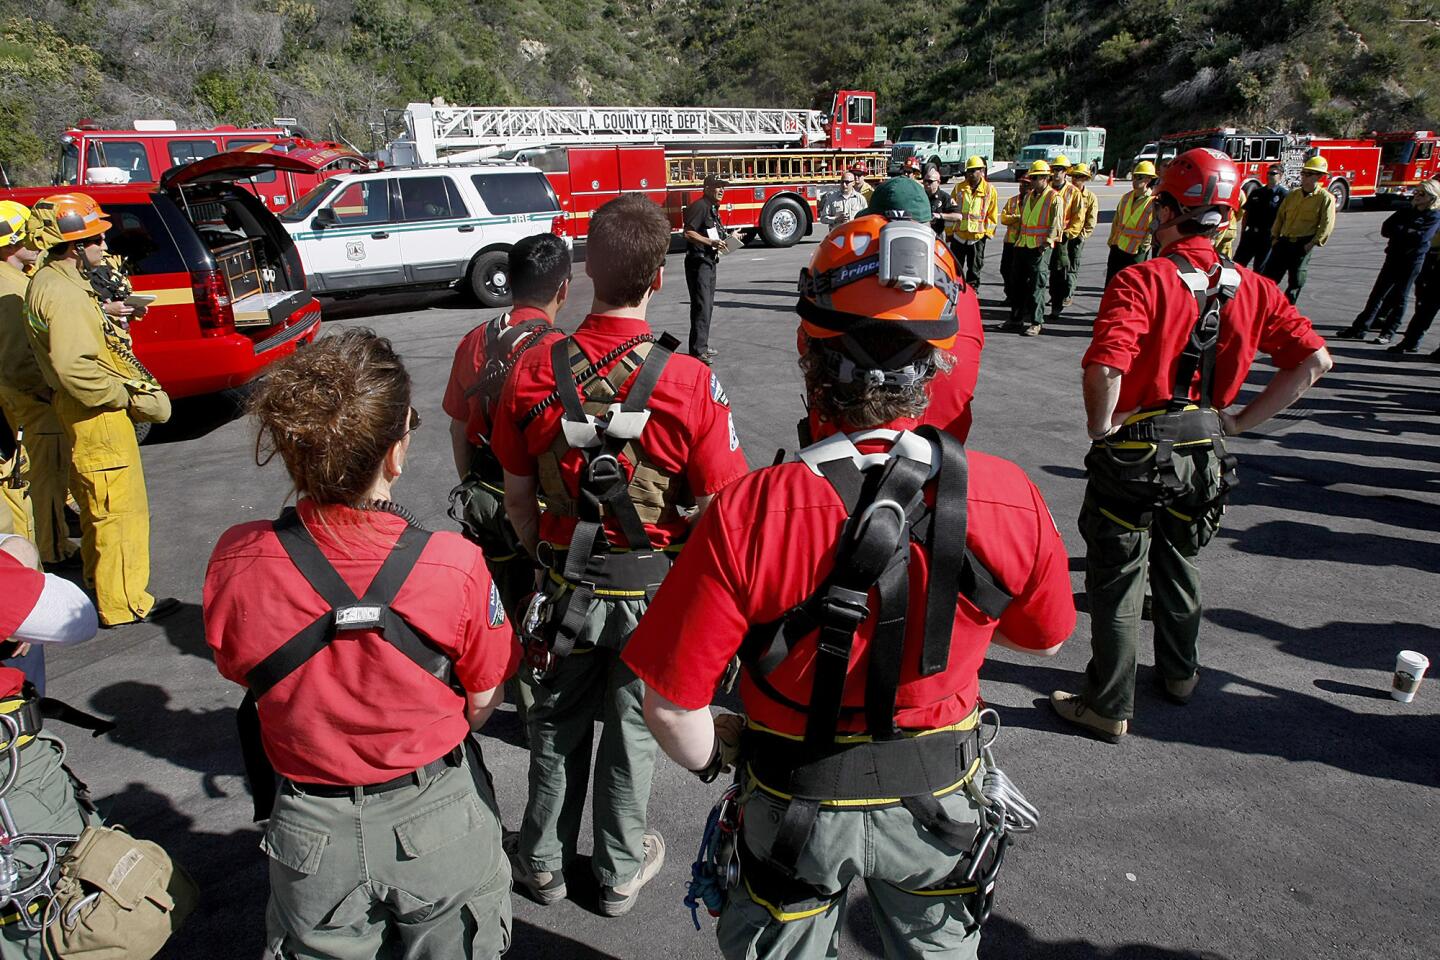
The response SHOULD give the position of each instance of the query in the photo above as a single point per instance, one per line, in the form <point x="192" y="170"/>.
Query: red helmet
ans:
<point x="859" y="169"/>
<point x="912" y="164"/>
<point x="1202" y="178"/>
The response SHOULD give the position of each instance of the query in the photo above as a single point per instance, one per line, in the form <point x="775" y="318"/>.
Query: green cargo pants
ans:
<point x="1288" y="263"/>
<point x="416" y="872"/>
<point x="897" y="859"/>
<point x="1031" y="270"/>
<point x="1064" y="269"/>
<point x="1127" y="533"/>
<point x="592" y="684"/>
<point x="44" y="799"/>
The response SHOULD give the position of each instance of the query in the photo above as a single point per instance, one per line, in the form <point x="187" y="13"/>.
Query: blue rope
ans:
<point x="704" y="884"/>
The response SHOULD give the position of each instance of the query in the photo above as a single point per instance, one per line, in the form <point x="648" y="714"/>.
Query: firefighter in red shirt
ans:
<point x="634" y="441"/>
<point x="371" y="649"/>
<point x="859" y="583"/>
<point x="1173" y="343"/>
<point x="539" y="284"/>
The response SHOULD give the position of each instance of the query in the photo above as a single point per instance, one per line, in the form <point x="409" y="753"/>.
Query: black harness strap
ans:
<point x="885" y="507"/>
<point x="372" y="611"/>
<point x="578" y="377"/>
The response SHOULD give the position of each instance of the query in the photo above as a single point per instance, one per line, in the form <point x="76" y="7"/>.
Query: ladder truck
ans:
<point x="779" y="162"/>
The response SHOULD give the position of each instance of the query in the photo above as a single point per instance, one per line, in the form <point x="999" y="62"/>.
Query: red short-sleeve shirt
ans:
<point x="950" y="392"/>
<point x="765" y="544"/>
<point x="360" y="711"/>
<point x="21" y="587"/>
<point x="1147" y="314"/>
<point x="465" y="372"/>
<point x="690" y="435"/>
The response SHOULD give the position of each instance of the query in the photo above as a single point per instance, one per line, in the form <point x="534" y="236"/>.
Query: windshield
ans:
<point x="306" y="205"/>
<point x="1046" y="138"/>
<point x="1402" y="151"/>
<point x="69" y="170"/>
<point x="920" y="134"/>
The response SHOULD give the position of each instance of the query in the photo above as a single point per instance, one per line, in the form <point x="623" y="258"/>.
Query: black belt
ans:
<point x="1179" y="426"/>
<point x="870" y="770"/>
<point x="28" y="718"/>
<point x="418" y="776"/>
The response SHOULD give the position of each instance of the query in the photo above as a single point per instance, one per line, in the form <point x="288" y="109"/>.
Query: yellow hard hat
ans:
<point x="1143" y="169"/>
<point x="67" y="216"/>
<point x="1039" y="168"/>
<point x="1317" y="165"/>
<point x="974" y="163"/>
<point x="13" y="217"/>
<point x="1081" y="170"/>
<point x="1061" y="163"/>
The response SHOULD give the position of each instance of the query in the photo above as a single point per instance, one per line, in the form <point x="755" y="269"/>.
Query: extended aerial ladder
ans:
<point x="440" y="133"/>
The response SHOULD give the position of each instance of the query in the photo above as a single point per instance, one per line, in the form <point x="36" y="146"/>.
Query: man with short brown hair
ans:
<point x="634" y="437"/>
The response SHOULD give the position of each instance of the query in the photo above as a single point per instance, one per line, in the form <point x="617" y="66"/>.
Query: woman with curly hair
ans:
<point x="372" y="649"/>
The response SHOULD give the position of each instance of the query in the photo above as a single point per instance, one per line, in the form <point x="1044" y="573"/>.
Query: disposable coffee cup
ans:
<point x="1410" y="669"/>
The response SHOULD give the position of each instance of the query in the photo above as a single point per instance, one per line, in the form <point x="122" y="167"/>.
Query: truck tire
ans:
<point x="1341" y="191"/>
<point x="490" y="279"/>
<point x="782" y="222"/>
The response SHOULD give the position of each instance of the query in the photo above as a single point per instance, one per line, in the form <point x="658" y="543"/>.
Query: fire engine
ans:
<point x="779" y="162"/>
<point x="91" y="155"/>
<point x="1354" y="164"/>
<point x="1407" y="158"/>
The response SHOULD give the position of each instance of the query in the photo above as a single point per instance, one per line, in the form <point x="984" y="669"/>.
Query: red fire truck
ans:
<point x="91" y="155"/>
<point x="1407" y="157"/>
<point x="1354" y="164"/>
<point x="779" y="162"/>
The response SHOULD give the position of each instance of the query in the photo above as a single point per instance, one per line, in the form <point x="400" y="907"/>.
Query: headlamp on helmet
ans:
<point x="907" y="258"/>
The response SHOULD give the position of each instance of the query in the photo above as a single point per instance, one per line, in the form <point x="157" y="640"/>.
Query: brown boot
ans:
<point x="617" y="901"/>
<point x="1072" y="709"/>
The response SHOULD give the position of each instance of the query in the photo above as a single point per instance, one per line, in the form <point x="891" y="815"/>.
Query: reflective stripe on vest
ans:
<point x="1036" y="221"/>
<point x="1011" y="210"/>
<point x="974" y="211"/>
<point x="1130" y="235"/>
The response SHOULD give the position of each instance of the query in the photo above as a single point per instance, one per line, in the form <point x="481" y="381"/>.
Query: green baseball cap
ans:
<point x="900" y="193"/>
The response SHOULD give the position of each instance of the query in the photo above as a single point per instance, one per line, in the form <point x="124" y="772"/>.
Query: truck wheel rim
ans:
<point x="784" y="223"/>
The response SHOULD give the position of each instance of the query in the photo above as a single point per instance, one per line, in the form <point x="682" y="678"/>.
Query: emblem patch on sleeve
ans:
<point x="734" y="437"/>
<point x="717" y="392"/>
<point x="497" y="609"/>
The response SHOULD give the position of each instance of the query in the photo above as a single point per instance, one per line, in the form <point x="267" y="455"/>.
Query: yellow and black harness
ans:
<point x="885" y="766"/>
<point x="1184" y="422"/>
<point x="603" y="430"/>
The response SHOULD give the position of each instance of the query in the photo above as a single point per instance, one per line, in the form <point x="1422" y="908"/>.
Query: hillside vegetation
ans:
<point x="1137" y="67"/>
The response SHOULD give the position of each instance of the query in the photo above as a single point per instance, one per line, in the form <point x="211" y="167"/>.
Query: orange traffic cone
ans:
<point x="1110" y="181"/>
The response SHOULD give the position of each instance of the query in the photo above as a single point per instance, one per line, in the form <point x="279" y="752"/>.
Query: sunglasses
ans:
<point x="94" y="241"/>
<point x="847" y="181"/>
<point x="414" y="421"/>
<point x="932" y="181"/>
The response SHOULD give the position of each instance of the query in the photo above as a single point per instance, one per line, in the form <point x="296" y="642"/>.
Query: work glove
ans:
<point x="149" y="405"/>
<point x="728" y="729"/>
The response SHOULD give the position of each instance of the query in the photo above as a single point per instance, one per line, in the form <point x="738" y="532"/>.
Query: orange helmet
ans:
<point x="892" y="277"/>
<point x="68" y="216"/>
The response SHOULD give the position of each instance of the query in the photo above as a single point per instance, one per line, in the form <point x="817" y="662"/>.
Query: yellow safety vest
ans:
<point x="1037" y="220"/>
<point x="1132" y="222"/>
<point x="977" y="211"/>
<point x="1010" y="216"/>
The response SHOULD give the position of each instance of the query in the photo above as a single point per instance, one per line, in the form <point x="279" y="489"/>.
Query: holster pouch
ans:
<point x="118" y="898"/>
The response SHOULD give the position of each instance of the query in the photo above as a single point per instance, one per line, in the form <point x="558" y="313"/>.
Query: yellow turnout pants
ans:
<point x="114" y="510"/>
<point x="48" y="471"/>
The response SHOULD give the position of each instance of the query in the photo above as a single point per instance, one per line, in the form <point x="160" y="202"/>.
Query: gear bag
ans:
<point x="346" y="612"/>
<point x="118" y="898"/>
<point x="602" y="430"/>
<point x="884" y="498"/>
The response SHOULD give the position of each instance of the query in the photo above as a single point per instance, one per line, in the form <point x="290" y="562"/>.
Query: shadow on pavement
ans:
<point x="382" y="304"/>
<point x="1314" y="542"/>
<point x="1004" y="939"/>
<point x="194" y="417"/>
<point x="1367" y="645"/>
<point x="205" y="741"/>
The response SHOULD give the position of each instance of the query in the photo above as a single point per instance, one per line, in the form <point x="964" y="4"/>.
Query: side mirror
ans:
<point x="324" y="217"/>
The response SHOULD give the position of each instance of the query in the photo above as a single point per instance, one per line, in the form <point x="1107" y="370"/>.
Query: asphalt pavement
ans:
<point x="1289" y="811"/>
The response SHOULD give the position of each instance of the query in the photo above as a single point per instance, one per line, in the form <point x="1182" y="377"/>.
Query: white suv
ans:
<point x="420" y="226"/>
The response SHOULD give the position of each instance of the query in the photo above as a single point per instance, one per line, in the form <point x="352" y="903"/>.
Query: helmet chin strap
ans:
<point x="854" y="365"/>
